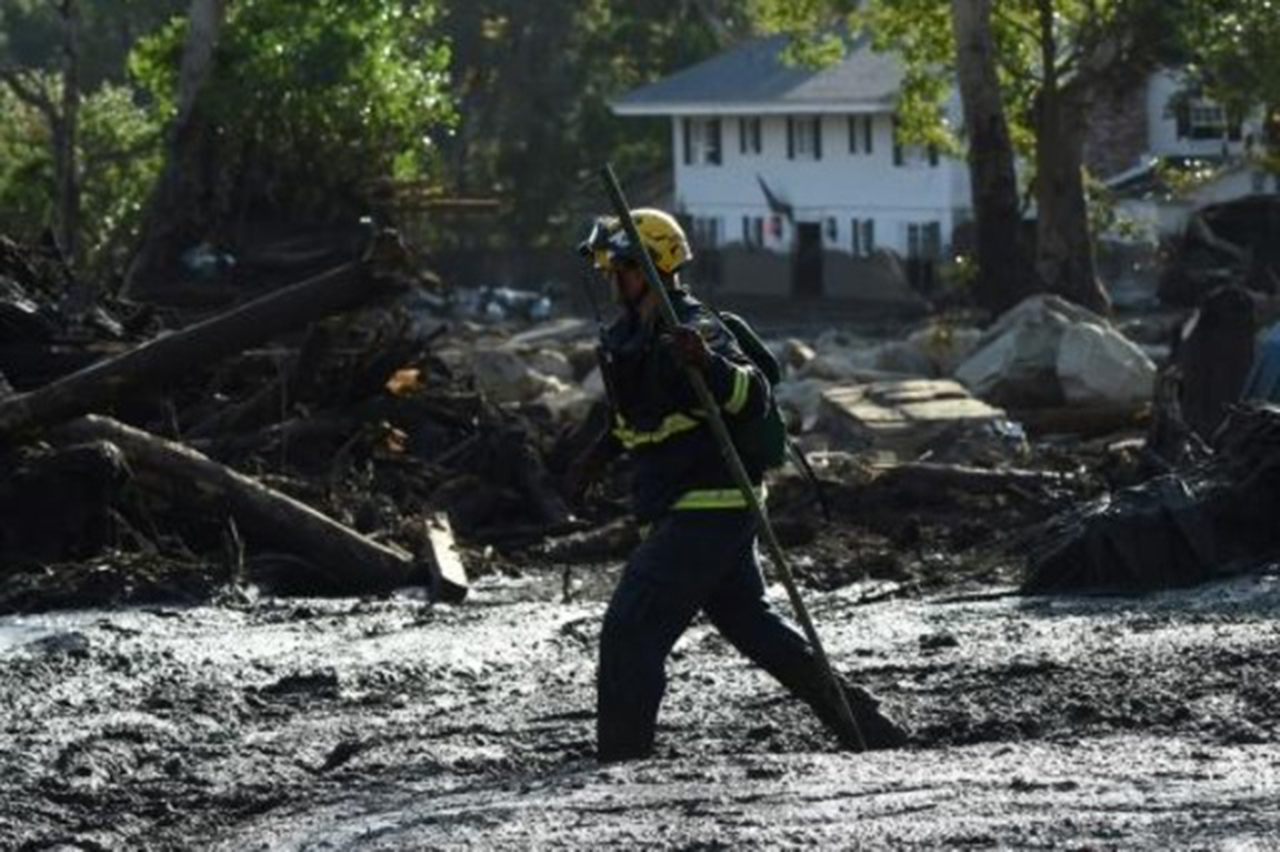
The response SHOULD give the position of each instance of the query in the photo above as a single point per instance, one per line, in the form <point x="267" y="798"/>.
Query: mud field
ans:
<point x="1101" y="722"/>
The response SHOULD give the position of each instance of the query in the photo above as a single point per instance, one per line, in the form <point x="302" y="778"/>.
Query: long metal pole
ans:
<point x="731" y="458"/>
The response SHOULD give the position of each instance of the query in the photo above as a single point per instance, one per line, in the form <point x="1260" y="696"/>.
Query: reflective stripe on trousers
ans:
<point x="716" y="498"/>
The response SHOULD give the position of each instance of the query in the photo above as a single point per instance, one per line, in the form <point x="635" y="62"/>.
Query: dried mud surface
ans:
<point x="1089" y="722"/>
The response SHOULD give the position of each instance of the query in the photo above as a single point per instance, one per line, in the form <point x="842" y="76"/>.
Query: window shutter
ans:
<point x="791" y="138"/>
<point x="817" y="137"/>
<point x="687" y="127"/>
<point x="713" y="142"/>
<point x="853" y="134"/>
<point x="742" y="136"/>
<point x="856" y="236"/>
<point x="897" y="145"/>
<point x="933" y="155"/>
<point x="868" y="236"/>
<point x="1182" y="114"/>
<point x="866" y="134"/>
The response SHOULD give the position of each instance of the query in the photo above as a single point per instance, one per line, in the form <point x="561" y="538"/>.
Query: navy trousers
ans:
<point x="691" y="561"/>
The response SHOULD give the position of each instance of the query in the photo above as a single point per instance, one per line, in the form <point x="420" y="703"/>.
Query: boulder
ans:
<point x="1047" y="352"/>
<point x="504" y="376"/>
<point x="945" y="346"/>
<point x="593" y="384"/>
<point x="796" y="353"/>
<point x="904" y="358"/>
<point x="552" y="362"/>
<point x="1097" y="365"/>
<point x="801" y="401"/>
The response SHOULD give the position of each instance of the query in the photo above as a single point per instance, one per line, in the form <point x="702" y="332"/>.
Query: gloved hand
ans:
<point x="688" y="347"/>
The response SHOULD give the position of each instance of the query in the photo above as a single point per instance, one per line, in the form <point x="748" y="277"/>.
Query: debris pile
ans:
<point x="326" y="437"/>
<point x="364" y="430"/>
<point x="1178" y="529"/>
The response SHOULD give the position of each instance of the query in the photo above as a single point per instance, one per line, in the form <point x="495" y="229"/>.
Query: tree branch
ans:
<point x="1025" y="28"/>
<point x="28" y="92"/>
<point x="96" y="159"/>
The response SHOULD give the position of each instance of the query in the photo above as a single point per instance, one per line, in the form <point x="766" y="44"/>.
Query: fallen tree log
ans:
<point x="351" y="562"/>
<point x="171" y="355"/>
<point x="929" y="478"/>
<point x="271" y="399"/>
<point x="1085" y="421"/>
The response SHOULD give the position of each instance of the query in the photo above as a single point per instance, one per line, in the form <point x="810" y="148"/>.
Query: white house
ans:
<point x="794" y="176"/>
<point x="792" y="182"/>
<point x="1163" y="128"/>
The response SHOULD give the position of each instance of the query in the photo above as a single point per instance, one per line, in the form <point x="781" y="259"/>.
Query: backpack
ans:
<point x="761" y="441"/>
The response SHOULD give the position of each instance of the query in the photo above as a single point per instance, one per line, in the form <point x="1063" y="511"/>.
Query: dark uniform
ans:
<point x="700" y="550"/>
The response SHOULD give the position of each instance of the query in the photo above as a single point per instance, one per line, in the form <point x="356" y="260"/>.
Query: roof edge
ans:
<point x="742" y="109"/>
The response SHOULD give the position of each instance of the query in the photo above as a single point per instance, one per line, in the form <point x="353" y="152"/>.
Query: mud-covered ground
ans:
<point x="1098" y="722"/>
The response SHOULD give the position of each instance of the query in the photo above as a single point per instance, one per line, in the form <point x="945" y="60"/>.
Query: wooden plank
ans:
<point x="449" y="581"/>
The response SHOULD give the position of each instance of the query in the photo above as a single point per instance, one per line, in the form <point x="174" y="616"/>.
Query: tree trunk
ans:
<point x="193" y="348"/>
<point x="176" y="214"/>
<point x="1005" y="273"/>
<point x="350" y="562"/>
<point x="66" y="137"/>
<point x="1064" y="247"/>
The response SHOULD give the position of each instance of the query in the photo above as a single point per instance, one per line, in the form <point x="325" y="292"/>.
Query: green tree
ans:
<point x="1054" y="57"/>
<point x="1234" y="47"/>
<point x="305" y="105"/>
<point x="533" y="81"/>
<point x="62" y="63"/>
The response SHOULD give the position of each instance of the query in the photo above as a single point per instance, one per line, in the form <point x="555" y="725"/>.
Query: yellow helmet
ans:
<point x="660" y="234"/>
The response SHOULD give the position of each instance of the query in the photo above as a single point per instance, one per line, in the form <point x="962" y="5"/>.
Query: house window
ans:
<point x="833" y="229"/>
<point x="924" y="251"/>
<point x="753" y="231"/>
<point x="864" y="236"/>
<point x="860" y="134"/>
<point x="749" y="139"/>
<point x="804" y="137"/>
<point x="1207" y="121"/>
<point x="924" y="241"/>
<point x="702" y="141"/>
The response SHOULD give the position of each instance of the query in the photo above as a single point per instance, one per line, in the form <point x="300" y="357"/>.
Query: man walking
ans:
<point x="699" y="553"/>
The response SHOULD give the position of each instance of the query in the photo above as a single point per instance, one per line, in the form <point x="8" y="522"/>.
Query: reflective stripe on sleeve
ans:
<point x="672" y="424"/>
<point x="741" y="389"/>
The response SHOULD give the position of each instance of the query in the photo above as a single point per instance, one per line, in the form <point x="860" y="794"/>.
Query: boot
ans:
<point x="877" y="729"/>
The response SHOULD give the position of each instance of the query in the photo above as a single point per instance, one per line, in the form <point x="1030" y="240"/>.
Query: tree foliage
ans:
<point x="308" y="102"/>
<point x="533" y="81"/>
<point x="1055" y="57"/>
<point x="1234" y="48"/>
<point x="106" y="150"/>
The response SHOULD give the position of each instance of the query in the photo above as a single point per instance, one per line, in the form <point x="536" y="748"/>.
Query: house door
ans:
<point x="806" y="274"/>
<point x="924" y="251"/>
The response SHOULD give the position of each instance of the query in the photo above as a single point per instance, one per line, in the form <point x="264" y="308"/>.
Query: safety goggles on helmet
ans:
<point x="608" y="245"/>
